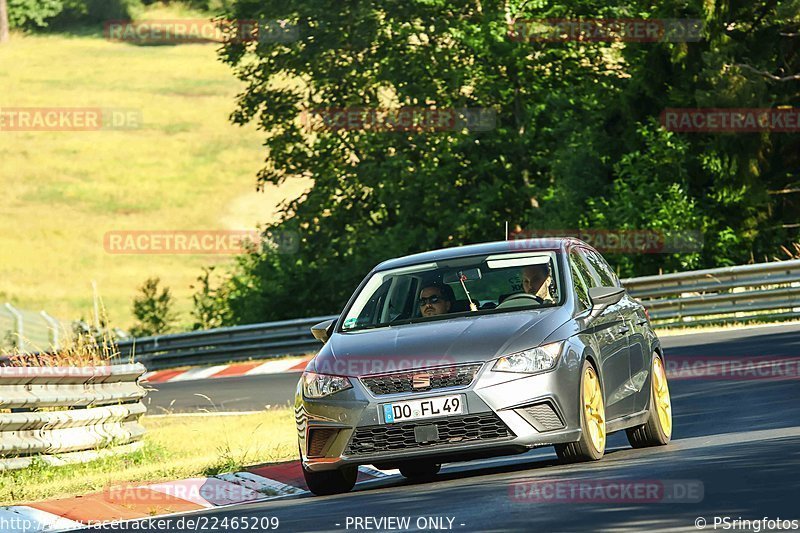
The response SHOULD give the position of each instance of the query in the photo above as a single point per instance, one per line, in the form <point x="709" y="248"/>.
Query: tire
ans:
<point x="419" y="470"/>
<point x="592" y="444"/>
<point x="331" y="481"/>
<point x="657" y="431"/>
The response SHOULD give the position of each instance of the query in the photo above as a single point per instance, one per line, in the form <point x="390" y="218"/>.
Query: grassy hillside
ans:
<point x="186" y="168"/>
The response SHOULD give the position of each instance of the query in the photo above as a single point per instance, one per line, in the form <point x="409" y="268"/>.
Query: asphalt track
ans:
<point x="241" y="393"/>
<point x="735" y="453"/>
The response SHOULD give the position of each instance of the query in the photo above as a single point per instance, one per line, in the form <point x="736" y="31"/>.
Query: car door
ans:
<point x="635" y="322"/>
<point x="610" y="339"/>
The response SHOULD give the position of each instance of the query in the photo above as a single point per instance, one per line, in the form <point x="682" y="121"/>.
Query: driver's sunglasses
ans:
<point x="433" y="300"/>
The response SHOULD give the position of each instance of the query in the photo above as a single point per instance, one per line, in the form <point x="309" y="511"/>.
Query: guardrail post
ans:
<point x="54" y="328"/>
<point x="19" y="326"/>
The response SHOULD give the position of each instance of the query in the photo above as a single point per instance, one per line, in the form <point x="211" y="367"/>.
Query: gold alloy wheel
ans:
<point x="661" y="396"/>
<point x="594" y="412"/>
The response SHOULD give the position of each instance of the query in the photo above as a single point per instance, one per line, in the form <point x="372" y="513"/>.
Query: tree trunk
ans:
<point x="3" y="21"/>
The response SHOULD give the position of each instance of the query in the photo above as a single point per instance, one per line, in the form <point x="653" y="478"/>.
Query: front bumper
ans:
<point x="505" y="413"/>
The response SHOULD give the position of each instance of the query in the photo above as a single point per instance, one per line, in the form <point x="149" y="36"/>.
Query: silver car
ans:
<point x="479" y="351"/>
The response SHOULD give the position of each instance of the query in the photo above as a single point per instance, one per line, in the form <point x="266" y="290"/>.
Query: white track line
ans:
<point x="379" y="473"/>
<point x="207" y="492"/>
<point x="198" y="373"/>
<point x="261" y="484"/>
<point x="274" y="367"/>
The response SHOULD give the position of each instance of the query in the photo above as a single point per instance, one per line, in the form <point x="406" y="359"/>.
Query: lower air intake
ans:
<point x="451" y="431"/>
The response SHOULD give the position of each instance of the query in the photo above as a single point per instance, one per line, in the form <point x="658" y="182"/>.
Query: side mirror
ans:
<point x="602" y="297"/>
<point x="323" y="331"/>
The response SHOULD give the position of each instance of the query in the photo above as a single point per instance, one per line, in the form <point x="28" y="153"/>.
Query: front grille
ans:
<point x="455" y="430"/>
<point x="440" y="378"/>
<point x="542" y="416"/>
<point x="318" y="440"/>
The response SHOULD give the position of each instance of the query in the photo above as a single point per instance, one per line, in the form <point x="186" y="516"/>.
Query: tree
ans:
<point x="34" y="14"/>
<point x="382" y="194"/>
<point x="575" y="141"/>
<point x="30" y="14"/>
<point x="732" y="178"/>
<point x="209" y="309"/>
<point x="3" y="21"/>
<point x="153" y="310"/>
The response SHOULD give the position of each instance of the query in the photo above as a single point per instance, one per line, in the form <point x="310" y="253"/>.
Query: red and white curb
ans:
<point x="278" y="366"/>
<point x="131" y="502"/>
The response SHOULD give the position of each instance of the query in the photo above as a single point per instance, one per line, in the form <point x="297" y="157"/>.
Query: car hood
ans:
<point x="435" y="343"/>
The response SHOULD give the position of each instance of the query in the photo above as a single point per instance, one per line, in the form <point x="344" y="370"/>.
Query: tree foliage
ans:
<point x="208" y="309"/>
<point x="32" y="13"/>
<point x="153" y="310"/>
<point x="577" y="140"/>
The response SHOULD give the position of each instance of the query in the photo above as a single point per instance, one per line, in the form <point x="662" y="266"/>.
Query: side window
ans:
<point x="371" y="312"/>
<point x="602" y="275"/>
<point x="608" y="272"/>
<point x="579" y="277"/>
<point x="591" y="277"/>
<point x="400" y="296"/>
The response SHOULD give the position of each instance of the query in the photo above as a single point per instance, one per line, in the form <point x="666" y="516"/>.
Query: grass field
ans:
<point x="176" y="447"/>
<point x="185" y="168"/>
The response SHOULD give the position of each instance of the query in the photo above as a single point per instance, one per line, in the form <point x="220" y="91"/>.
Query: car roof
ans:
<point x="557" y="244"/>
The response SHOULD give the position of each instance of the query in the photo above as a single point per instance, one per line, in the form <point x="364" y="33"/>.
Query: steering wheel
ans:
<point x="518" y="300"/>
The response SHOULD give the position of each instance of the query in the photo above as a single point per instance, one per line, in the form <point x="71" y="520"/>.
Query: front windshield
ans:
<point x="466" y="286"/>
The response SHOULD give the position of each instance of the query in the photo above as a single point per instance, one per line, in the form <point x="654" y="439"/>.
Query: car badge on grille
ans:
<point x="421" y="381"/>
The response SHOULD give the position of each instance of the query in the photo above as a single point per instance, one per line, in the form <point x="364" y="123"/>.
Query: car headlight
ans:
<point x="321" y="385"/>
<point x="533" y="360"/>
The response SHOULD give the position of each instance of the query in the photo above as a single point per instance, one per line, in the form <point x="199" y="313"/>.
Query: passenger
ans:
<point x="536" y="281"/>
<point x="436" y="299"/>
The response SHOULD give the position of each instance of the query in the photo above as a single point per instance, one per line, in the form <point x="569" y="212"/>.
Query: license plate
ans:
<point x="418" y="409"/>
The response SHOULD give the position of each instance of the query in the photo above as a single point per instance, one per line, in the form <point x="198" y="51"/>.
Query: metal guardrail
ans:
<point x="221" y="345"/>
<point x="721" y="295"/>
<point x="697" y="297"/>
<point x="107" y="421"/>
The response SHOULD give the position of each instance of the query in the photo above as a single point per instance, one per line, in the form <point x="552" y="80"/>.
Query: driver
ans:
<point x="436" y="299"/>
<point x="536" y="281"/>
